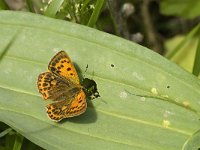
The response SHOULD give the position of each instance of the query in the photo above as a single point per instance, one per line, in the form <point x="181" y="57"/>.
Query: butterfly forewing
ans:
<point x="52" y="87"/>
<point x="62" y="66"/>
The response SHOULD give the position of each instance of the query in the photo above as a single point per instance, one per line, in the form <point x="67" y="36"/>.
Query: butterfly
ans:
<point x="61" y="84"/>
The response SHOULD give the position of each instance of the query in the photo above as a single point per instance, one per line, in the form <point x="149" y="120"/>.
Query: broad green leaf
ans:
<point x="146" y="103"/>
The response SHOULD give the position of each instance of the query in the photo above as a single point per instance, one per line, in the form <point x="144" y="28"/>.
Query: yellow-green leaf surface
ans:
<point x="164" y="117"/>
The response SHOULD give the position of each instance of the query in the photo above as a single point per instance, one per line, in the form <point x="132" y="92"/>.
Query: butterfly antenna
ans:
<point x="86" y="68"/>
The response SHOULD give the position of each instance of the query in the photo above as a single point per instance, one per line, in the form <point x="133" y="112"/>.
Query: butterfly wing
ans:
<point x="67" y="108"/>
<point x="62" y="84"/>
<point x="62" y="66"/>
<point x="52" y="87"/>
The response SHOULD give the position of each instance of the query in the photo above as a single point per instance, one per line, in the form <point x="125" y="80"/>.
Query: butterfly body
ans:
<point x="61" y="84"/>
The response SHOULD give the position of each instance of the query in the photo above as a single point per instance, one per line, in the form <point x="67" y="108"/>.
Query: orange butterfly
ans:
<point x="61" y="84"/>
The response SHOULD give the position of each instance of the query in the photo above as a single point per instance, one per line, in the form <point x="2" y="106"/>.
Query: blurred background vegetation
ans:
<point x="168" y="27"/>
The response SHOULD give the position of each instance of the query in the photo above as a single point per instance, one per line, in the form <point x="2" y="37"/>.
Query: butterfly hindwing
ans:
<point x="67" y="108"/>
<point x="78" y="105"/>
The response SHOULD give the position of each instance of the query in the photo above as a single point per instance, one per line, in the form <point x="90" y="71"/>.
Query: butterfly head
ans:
<point x="90" y="88"/>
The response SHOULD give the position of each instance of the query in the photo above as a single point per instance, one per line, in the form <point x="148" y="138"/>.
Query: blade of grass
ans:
<point x="30" y="5"/>
<point x="112" y="11"/>
<point x="5" y="132"/>
<point x="18" y="142"/>
<point x="183" y="42"/>
<point x="96" y="12"/>
<point x="9" y="140"/>
<point x="196" y="67"/>
<point x="53" y="8"/>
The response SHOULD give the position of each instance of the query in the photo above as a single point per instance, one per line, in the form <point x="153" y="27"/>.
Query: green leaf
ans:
<point x="185" y="8"/>
<point x="146" y="103"/>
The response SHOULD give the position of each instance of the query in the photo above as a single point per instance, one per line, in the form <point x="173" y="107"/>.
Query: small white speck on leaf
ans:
<point x="167" y="113"/>
<point x="137" y="76"/>
<point x="123" y="94"/>
<point x="142" y="99"/>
